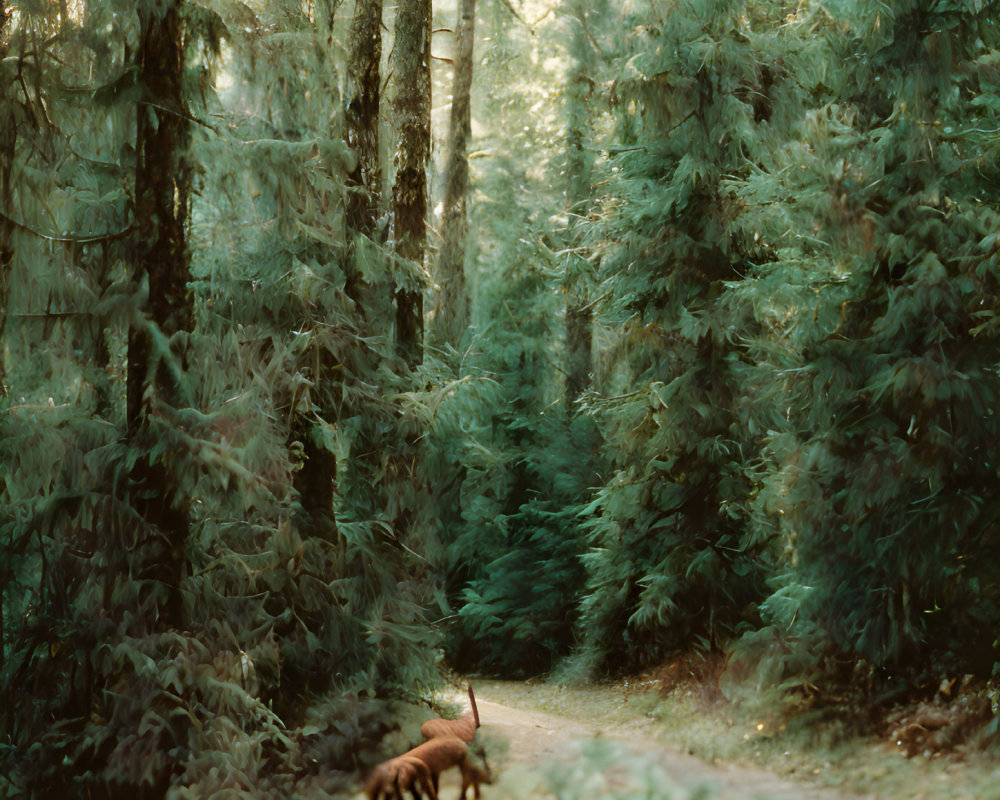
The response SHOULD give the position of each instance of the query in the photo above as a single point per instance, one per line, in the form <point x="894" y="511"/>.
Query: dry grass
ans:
<point x="926" y="748"/>
<point x="932" y="749"/>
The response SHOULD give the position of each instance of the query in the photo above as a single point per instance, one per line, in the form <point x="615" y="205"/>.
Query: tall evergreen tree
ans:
<point x="156" y="362"/>
<point x="451" y="311"/>
<point x="672" y="564"/>
<point x="877" y="337"/>
<point x="581" y="88"/>
<point x="8" y="136"/>
<point x="304" y="315"/>
<point x="8" y="142"/>
<point x="82" y="569"/>
<point x="118" y="679"/>
<point x="411" y="66"/>
<point x="513" y="542"/>
<point x="797" y="260"/>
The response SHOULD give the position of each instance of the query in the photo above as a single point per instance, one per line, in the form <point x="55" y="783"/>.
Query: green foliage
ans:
<point x="501" y="433"/>
<point x="878" y="469"/>
<point x="673" y="562"/>
<point x="797" y="260"/>
<point x="305" y="306"/>
<point x="289" y="369"/>
<point x="786" y="431"/>
<point x="514" y="617"/>
<point x="512" y="551"/>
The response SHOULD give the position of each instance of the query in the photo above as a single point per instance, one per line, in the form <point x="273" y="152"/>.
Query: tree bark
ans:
<point x="412" y="107"/>
<point x="7" y="156"/>
<point x="8" y="142"/>
<point x="162" y="188"/>
<point x="316" y="480"/>
<point x="9" y="135"/>
<point x="579" y="166"/>
<point x="362" y="115"/>
<point x="451" y="310"/>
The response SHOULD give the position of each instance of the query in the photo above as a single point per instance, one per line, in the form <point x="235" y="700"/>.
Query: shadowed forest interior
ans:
<point x="347" y="346"/>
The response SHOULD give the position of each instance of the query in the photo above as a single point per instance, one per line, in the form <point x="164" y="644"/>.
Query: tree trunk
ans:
<point x="362" y="115"/>
<point x="8" y="141"/>
<point x="579" y="166"/>
<point x="5" y="263"/>
<point x="412" y="68"/>
<point x="6" y="257"/>
<point x="162" y="187"/>
<point x="451" y="309"/>
<point x="316" y="480"/>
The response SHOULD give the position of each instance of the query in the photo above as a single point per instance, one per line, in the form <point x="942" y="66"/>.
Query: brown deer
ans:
<point x="391" y="778"/>
<point x="444" y="752"/>
<point x="464" y="727"/>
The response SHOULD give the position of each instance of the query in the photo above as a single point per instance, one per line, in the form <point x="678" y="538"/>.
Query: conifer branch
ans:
<point x="87" y="239"/>
<point x="180" y="114"/>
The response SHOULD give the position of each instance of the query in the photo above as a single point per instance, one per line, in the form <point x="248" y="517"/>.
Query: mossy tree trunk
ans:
<point x="411" y="65"/>
<point x="579" y="168"/>
<point x="362" y="115"/>
<point x="451" y="308"/>
<point x="7" y="132"/>
<point x="155" y="351"/>
<point x="316" y="480"/>
<point x="8" y="138"/>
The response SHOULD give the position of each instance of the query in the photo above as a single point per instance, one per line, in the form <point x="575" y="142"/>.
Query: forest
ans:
<point x="350" y="346"/>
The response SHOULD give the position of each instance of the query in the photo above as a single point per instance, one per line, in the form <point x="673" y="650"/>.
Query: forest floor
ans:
<point x="546" y="740"/>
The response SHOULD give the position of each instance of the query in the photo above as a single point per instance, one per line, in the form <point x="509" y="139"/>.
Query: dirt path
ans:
<point x="575" y="751"/>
